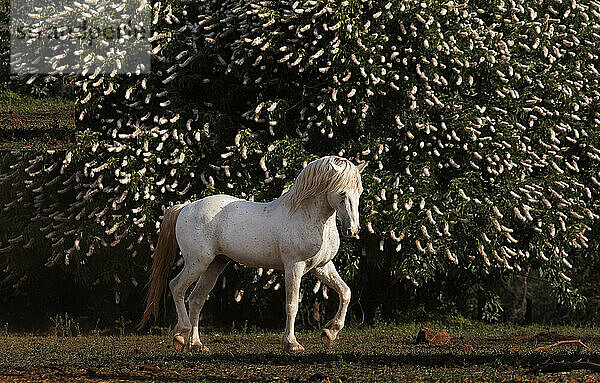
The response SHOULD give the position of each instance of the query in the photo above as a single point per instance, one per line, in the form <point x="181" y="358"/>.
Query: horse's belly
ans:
<point x="259" y="252"/>
<point x="257" y="261"/>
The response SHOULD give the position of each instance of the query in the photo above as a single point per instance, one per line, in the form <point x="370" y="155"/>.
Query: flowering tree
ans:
<point x="480" y="122"/>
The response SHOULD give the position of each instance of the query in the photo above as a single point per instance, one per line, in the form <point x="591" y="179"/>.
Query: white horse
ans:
<point x="296" y="233"/>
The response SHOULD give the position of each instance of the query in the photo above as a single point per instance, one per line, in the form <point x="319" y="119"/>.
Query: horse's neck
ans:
<point x="318" y="209"/>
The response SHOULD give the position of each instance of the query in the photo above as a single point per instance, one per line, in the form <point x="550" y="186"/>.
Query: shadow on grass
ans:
<point x="448" y="359"/>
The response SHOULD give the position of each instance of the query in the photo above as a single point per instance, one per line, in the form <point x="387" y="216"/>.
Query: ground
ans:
<point x="31" y="123"/>
<point x="384" y="353"/>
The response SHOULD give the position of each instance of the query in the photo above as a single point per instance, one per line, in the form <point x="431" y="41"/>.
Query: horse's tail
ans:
<point x="164" y="257"/>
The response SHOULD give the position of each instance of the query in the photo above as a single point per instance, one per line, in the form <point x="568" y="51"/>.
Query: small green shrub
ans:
<point x="64" y="325"/>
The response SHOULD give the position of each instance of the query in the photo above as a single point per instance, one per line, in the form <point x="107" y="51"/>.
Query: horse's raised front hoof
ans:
<point x="327" y="337"/>
<point x="178" y="342"/>
<point x="294" y="348"/>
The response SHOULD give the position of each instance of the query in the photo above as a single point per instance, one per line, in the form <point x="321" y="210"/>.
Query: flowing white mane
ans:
<point x="320" y="176"/>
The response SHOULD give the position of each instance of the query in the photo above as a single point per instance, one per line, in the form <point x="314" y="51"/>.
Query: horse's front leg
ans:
<point x="293" y="275"/>
<point x="329" y="275"/>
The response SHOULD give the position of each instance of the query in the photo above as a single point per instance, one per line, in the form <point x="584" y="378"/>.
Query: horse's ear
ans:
<point x="336" y="167"/>
<point x="362" y="166"/>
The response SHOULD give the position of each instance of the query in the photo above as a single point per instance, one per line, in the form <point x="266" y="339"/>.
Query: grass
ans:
<point x="475" y="352"/>
<point x="22" y="103"/>
<point x="27" y="122"/>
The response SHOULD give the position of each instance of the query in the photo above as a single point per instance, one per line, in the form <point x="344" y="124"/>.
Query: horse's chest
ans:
<point x="324" y="250"/>
<point x="334" y="243"/>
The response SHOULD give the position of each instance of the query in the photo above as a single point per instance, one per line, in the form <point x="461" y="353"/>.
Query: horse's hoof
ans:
<point x="178" y="342"/>
<point x="327" y="337"/>
<point x="199" y="347"/>
<point x="295" y="348"/>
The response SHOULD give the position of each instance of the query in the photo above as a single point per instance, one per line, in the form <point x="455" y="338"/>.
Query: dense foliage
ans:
<point x="480" y="122"/>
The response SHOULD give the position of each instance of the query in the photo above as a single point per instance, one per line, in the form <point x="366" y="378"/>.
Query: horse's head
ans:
<point x="345" y="199"/>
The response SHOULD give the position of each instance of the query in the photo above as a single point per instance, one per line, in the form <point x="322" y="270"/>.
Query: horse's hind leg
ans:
<point x="198" y="296"/>
<point x="192" y="269"/>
